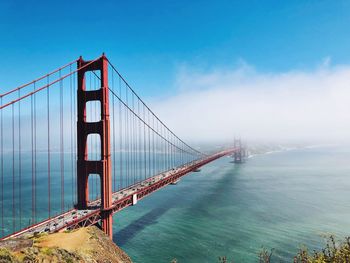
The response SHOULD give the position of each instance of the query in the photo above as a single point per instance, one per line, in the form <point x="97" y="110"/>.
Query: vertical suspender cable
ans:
<point x="160" y="156"/>
<point x="164" y="148"/>
<point x="159" y="148"/>
<point x="149" y="146"/>
<point x="62" y="143"/>
<point x="144" y="144"/>
<point x="157" y="142"/>
<point x="127" y="137"/>
<point x="176" y="152"/>
<point x="140" y="142"/>
<point x="13" y="171"/>
<point x="167" y="149"/>
<point x="135" y="137"/>
<point x="182" y="153"/>
<point x="125" y="146"/>
<point x="129" y="144"/>
<point x="175" y="156"/>
<point x="2" y="170"/>
<point x="173" y="146"/>
<point x="114" y="149"/>
<point x="120" y="137"/>
<point x="35" y="154"/>
<point x="131" y="150"/>
<point x="48" y="149"/>
<point x="132" y="139"/>
<point x="32" y="151"/>
<point x="19" y="159"/>
<point x="71" y="133"/>
<point x="171" y="151"/>
<point x="153" y="148"/>
<point x="156" y="147"/>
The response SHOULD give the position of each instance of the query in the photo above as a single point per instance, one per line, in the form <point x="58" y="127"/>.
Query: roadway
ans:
<point x="123" y="198"/>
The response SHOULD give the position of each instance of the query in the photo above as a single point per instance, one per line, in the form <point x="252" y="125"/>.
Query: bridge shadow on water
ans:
<point x="214" y="194"/>
<point x="130" y="231"/>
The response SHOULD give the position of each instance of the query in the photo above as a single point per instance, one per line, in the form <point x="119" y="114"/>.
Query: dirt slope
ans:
<point x="83" y="245"/>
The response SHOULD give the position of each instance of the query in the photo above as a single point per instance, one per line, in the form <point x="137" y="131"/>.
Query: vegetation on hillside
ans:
<point x="337" y="252"/>
<point x="333" y="252"/>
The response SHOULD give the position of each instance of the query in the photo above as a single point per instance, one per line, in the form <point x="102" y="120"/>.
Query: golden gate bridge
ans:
<point x="78" y="145"/>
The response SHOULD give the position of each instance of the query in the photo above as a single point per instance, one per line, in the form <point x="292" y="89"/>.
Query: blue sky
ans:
<point x="149" y="40"/>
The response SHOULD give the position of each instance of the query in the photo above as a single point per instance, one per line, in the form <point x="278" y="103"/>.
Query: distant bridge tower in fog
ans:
<point x="239" y="154"/>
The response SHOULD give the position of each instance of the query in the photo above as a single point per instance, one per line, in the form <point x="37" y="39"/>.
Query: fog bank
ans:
<point x="295" y="105"/>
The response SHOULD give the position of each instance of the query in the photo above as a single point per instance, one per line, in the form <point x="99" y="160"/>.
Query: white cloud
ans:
<point x="295" y="105"/>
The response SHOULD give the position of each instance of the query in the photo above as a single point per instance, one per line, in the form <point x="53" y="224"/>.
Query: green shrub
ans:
<point x="333" y="252"/>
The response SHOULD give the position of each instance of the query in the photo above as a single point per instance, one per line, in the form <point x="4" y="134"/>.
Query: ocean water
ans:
<point x="279" y="200"/>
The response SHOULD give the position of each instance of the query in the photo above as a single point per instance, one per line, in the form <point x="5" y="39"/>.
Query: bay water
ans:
<point x="281" y="201"/>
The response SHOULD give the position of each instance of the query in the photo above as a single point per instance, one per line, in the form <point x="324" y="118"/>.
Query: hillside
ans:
<point x="83" y="245"/>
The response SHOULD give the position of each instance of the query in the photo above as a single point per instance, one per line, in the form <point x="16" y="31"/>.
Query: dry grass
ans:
<point x="83" y="245"/>
<point x="72" y="241"/>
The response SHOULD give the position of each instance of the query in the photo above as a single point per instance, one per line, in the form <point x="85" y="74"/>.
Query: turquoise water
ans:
<point x="279" y="200"/>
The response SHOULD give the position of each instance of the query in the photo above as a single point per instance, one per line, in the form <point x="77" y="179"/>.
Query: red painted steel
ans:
<point x="84" y="165"/>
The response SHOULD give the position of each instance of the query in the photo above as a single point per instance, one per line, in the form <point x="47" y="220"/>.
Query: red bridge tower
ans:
<point x="102" y="167"/>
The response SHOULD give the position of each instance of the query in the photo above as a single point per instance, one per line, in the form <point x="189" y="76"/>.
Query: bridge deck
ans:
<point x="121" y="199"/>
